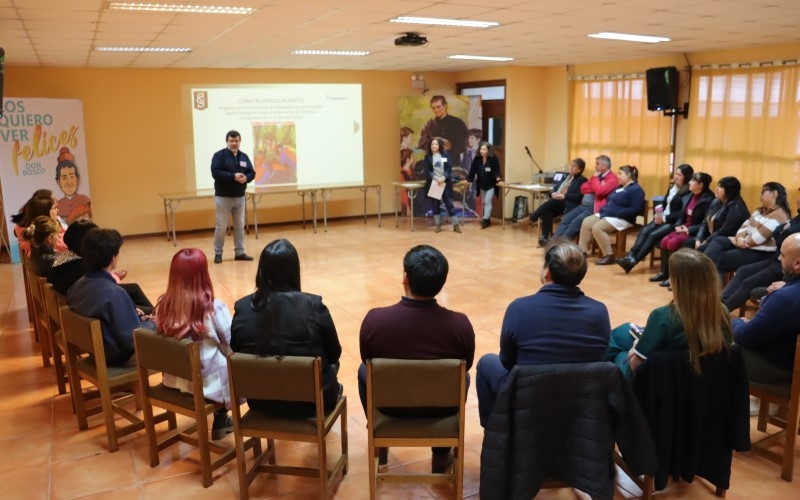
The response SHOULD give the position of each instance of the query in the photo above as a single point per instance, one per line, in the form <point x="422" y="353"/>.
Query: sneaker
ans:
<point x="221" y="429"/>
<point x="218" y="259"/>
<point x="456" y="228"/>
<point x="440" y="462"/>
<point x="243" y="256"/>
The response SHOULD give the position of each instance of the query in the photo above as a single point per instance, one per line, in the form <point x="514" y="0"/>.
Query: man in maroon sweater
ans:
<point x="417" y="327"/>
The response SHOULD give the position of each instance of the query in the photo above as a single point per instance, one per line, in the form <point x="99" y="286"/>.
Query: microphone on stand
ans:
<point x="533" y="161"/>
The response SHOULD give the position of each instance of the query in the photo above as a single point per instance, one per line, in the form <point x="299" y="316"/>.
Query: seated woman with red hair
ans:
<point x="189" y="309"/>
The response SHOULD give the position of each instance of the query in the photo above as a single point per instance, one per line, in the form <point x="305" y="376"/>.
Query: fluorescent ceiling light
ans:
<point x="174" y="7"/>
<point x="481" y="58"/>
<point x="142" y="49"/>
<point x="435" y="21"/>
<point x="630" y="38"/>
<point x="330" y="52"/>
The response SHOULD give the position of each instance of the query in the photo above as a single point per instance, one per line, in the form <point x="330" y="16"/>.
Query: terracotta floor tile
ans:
<point x="189" y="486"/>
<point x="26" y="420"/>
<point x="21" y="452"/>
<point x="94" y="474"/>
<point x="30" y="483"/>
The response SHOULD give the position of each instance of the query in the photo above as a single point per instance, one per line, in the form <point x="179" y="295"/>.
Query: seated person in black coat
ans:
<point x="563" y="199"/>
<point x="280" y="320"/>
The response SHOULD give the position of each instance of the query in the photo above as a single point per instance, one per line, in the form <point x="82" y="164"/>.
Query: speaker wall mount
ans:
<point x="411" y="39"/>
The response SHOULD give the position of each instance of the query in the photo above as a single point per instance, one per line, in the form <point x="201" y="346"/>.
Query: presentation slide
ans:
<point x="295" y="134"/>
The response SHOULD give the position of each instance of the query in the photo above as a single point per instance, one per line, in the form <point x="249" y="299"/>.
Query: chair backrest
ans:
<point x="83" y="333"/>
<point x="711" y="408"/>
<point x="291" y="378"/>
<point x="166" y="354"/>
<point x="53" y="302"/>
<point x="403" y="383"/>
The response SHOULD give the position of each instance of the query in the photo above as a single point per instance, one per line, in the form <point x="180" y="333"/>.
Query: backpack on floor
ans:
<point x="520" y="208"/>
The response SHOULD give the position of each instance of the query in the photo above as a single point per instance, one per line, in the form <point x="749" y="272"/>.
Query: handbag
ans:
<point x="520" y="208"/>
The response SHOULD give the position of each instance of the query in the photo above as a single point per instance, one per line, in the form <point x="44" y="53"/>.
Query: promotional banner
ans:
<point x="455" y="118"/>
<point x="43" y="146"/>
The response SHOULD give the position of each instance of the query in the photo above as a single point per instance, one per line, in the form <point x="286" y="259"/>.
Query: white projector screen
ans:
<point x="295" y="134"/>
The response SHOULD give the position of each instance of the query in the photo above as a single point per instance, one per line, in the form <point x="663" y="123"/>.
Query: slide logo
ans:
<point x="200" y="99"/>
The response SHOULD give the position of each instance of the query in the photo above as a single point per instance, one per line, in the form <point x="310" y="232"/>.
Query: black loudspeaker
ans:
<point x="662" y="88"/>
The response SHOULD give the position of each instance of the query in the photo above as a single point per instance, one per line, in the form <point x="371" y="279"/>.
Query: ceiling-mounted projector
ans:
<point x="411" y="40"/>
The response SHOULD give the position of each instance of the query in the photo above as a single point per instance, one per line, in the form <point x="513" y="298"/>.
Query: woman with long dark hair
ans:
<point x="41" y="203"/>
<point x="486" y="169"/>
<point x="753" y="241"/>
<point x="188" y="309"/>
<point x="440" y="171"/>
<point x="280" y="320"/>
<point x="666" y="215"/>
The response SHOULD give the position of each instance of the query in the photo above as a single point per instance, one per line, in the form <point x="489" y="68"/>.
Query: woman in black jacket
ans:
<point x="725" y="216"/>
<point x="280" y="320"/>
<point x="692" y="218"/>
<point x="666" y="215"/>
<point x="486" y="169"/>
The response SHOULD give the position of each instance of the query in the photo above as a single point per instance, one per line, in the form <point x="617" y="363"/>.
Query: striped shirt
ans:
<point x="757" y="230"/>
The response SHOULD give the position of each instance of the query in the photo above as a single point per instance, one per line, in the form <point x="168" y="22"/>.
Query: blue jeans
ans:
<point x="571" y="221"/>
<point x="490" y="376"/>
<point x="227" y="207"/>
<point x="487" y="195"/>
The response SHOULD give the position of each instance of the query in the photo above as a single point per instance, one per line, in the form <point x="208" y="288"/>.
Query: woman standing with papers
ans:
<point x="439" y="187"/>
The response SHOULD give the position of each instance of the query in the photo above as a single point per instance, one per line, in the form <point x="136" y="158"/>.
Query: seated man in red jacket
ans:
<point x="417" y="327"/>
<point x="595" y="193"/>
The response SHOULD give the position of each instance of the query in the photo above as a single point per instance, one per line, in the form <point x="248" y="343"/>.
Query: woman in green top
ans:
<point x="695" y="319"/>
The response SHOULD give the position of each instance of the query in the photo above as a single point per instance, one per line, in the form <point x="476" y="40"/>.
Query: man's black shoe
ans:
<point x="243" y="256"/>
<point x="218" y="259"/>
<point x="658" y="278"/>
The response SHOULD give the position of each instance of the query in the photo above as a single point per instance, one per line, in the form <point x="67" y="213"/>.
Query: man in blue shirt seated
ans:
<point x="768" y="340"/>
<point x="557" y="324"/>
<point x="97" y="295"/>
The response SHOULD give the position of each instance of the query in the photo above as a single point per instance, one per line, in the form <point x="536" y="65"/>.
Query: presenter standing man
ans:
<point x="232" y="170"/>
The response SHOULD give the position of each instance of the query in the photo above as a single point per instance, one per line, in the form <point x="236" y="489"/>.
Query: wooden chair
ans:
<point x="621" y="242"/>
<point x="53" y="302"/>
<point x="397" y="383"/>
<point x="787" y="397"/>
<point x="712" y="404"/>
<point x="655" y="258"/>
<point x="157" y="353"/>
<point x="291" y="378"/>
<point x="41" y="322"/>
<point x="84" y="336"/>
<point x="25" y="265"/>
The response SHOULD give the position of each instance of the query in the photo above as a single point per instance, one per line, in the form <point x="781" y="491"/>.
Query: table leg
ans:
<point x="325" y="208"/>
<point x="255" y="215"/>
<point x="378" y="192"/>
<point x="303" y="205"/>
<point x="172" y="220"/>
<point x="463" y="205"/>
<point x="412" y="193"/>
<point x="396" y="196"/>
<point x="313" y="196"/>
<point x="505" y="192"/>
<point x="166" y="220"/>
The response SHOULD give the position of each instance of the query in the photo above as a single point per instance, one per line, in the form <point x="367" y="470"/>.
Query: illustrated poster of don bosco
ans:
<point x="73" y="206"/>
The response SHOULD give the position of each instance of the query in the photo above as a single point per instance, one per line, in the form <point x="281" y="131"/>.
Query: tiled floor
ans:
<point x="354" y="267"/>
